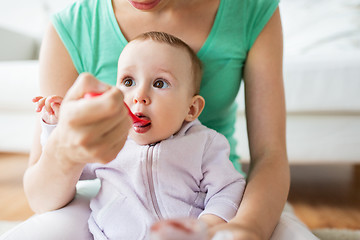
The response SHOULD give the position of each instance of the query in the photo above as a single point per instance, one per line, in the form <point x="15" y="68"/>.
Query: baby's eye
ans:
<point x="160" y="83"/>
<point x="128" y="82"/>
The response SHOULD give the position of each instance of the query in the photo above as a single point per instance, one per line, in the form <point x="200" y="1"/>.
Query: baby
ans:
<point x="171" y="167"/>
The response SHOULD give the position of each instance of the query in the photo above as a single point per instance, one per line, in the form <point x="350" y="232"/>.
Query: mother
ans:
<point x="235" y="39"/>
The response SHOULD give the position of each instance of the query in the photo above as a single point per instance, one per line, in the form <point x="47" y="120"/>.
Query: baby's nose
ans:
<point x="142" y="99"/>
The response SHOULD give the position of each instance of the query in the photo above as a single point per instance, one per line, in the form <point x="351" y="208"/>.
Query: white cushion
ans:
<point x="314" y="138"/>
<point x="321" y="56"/>
<point x="322" y="83"/>
<point x="19" y="84"/>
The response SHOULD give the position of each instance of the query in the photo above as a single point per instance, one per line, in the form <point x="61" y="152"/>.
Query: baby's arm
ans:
<point x="49" y="108"/>
<point x="223" y="185"/>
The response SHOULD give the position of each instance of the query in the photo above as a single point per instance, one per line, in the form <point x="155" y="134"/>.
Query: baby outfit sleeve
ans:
<point x="224" y="186"/>
<point x="46" y="130"/>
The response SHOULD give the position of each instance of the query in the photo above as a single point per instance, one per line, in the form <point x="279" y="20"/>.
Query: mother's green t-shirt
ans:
<point x="91" y="34"/>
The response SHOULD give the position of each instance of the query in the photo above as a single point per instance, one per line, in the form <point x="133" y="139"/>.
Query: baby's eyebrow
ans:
<point x="129" y="69"/>
<point x="167" y="72"/>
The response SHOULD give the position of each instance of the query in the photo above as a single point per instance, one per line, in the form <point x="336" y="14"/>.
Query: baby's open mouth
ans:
<point x="142" y="124"/>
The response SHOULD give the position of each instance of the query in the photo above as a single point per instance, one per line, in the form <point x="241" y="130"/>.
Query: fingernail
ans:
<point x="223" y="235"/>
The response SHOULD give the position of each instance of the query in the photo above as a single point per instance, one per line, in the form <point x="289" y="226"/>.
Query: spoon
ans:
<point x="135" y="119"/>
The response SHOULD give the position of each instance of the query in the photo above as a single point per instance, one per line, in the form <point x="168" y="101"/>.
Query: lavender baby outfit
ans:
<point x="186" y="175"/>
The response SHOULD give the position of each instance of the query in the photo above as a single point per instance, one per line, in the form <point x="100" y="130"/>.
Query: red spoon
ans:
<point x="134" y="118"/>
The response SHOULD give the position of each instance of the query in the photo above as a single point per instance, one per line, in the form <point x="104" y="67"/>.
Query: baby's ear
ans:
<point x="196" y="107"/>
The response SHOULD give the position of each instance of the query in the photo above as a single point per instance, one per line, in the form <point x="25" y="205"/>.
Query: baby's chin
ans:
<point x="146" y="139"/>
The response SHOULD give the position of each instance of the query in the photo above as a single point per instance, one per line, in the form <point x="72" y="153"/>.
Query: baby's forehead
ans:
<point x="160" y="52"/>
<point x="161" y="44"/>
<point x="156" y="49"/>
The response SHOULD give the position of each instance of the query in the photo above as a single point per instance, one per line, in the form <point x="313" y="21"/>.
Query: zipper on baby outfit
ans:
<point x="149" y="172"/>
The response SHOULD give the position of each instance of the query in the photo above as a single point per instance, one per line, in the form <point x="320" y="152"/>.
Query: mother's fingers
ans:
<point x="88" y="111"/>
<point x="233" y="231"/>
<point x="95" y="129"/>
<point x="85" y="83"/>
<point x="111" y="144"/>
<point x="78" y="110"/>
<point x="104" y="140"/>
<point x="178" y="229"/>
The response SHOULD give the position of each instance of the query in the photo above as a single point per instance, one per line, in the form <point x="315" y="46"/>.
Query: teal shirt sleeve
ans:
<point x="91" y="35"/>
<point x="259" y="13"/>
<point x="71" y="28"/>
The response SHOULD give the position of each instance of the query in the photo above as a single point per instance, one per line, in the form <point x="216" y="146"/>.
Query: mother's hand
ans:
<point x="195" y="229"/>
<point x="233" y="231"/>
<point x="91" y="130"/>
<point x="179" y="229"/>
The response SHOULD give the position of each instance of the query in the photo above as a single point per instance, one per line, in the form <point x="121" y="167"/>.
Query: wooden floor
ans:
<point x="13" y="204"/>
<point x="322" y="196"/>
<point x="326" y="196"/>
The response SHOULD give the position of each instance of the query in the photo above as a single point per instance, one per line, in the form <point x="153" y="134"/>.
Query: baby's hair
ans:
<point x="163" y="37"/>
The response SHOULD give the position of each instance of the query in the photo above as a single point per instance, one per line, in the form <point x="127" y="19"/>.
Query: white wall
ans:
<point x="28" y="16"/>
<point x="22" y="25"/>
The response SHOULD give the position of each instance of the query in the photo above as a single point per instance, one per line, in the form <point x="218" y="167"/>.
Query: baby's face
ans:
<point x="156" y="80"/>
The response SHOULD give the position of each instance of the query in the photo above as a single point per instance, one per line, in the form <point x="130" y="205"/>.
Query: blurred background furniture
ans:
<point x="322" y="81"/>
<point x="321" y="74"/>
<point x="22" y="24"/>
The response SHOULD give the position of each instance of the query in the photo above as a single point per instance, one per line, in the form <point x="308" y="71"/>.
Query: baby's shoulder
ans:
<point x="200" y="131"/>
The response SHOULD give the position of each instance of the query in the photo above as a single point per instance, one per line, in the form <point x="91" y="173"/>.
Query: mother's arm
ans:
<point x="57" y="74"/>
<point x="269" y="179"/>
<point x="79" y="137"/>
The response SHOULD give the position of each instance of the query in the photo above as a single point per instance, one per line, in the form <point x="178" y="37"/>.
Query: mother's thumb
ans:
<point x="85" y="83"/>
